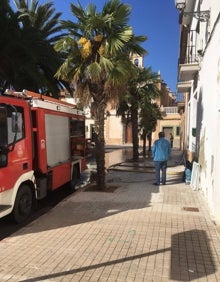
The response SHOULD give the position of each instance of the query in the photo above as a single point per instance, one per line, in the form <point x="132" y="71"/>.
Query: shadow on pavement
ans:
<point x="191" y="259"/>
<point x="191" y="256"/>
<point x="134" y="192"/>
<point x="95" y="266"/>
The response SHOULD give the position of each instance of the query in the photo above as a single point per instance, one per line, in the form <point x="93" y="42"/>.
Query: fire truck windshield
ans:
<point x="11" y="127"/>
<point x="15" y="125"/>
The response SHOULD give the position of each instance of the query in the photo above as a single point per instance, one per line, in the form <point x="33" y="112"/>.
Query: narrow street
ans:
<point x="138" y="232"/>
<point x="113" y="156"/>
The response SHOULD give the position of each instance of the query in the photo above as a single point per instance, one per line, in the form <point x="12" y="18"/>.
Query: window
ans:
<point x="136" y="62"/>
<point x="78" y="142"/>
<point x="15" y="120"/>
<point x="177" y="131"/>
<point x="77" y="128"/>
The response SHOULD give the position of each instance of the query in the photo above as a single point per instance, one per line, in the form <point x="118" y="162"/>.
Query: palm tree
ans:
<point x="149" y="115"/>
<point x="11" y="48"/>
<point x="142" y="88"/>
<point x="30" y="61"/>
<point x="97" y="62"/>
<point x="128" y="108"/>
<point x="41" y="17"/>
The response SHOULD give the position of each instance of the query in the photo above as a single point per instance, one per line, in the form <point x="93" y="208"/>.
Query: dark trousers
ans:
<point x="160" y="166"/>
<point x="171" y="144"/>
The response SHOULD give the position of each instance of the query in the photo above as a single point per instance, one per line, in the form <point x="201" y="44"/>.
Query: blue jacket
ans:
<point x="161" y="150"/>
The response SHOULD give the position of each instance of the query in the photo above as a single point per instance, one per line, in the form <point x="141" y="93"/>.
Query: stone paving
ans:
<point x="139" y="232"/>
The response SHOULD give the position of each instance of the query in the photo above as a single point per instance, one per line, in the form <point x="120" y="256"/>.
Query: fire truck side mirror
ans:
<point x="3" y="137"/>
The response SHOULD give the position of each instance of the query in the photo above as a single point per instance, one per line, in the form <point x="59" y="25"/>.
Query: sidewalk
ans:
<point x="140" y="232"/>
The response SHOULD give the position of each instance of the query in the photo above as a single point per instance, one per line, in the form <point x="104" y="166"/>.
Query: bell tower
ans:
<point x="137" y="60"/>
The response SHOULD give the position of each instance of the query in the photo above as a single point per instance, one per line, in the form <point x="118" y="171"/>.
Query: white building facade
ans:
<point x="199" y="79"/>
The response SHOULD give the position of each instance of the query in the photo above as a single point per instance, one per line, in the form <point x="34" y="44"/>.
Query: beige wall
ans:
<point x="172" y="121"/>
<point x="115" y="130"/>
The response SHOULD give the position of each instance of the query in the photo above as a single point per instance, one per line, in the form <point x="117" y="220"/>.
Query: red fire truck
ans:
<point x="42" y="147"/>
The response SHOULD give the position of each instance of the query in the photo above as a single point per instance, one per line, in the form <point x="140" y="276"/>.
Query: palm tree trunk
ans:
<point x="134" y="119"/>
<point x="149" y="142"/>
<point x="144" y="137"/>
<point x="99" y="143"/>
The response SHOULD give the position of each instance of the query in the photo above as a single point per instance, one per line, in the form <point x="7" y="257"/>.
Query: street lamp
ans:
<point x="202" y="16"/>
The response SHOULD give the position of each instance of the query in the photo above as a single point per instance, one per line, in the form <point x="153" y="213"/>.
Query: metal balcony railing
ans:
<point x="170" y="110"/>
<point x="191" y="55"/>
<point x="189" y="49"/>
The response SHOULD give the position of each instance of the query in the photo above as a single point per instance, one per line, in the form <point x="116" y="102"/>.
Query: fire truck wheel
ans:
<point x="23" y="204"/>
<point x="74" y="179"/>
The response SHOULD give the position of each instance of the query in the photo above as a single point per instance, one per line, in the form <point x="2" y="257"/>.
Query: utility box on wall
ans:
<point x="194" y="132"/>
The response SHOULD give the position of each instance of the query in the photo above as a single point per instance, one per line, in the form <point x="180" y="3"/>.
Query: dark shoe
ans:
<point x="155" y="183"/>
<point x="163" y="183"/>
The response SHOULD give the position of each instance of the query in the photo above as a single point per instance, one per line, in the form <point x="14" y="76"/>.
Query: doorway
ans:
<point x="167" y="130"/>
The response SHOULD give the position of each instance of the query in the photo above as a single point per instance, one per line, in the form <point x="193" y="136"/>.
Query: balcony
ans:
<point x="188" y="71"/>
<point x="189" y="56"/>
<point x="169" y="110"/>
<point x="184" y="86"/>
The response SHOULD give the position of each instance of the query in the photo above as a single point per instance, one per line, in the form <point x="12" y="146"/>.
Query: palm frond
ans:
<point x="118" y="13"/>
<point x="93" y="72"/>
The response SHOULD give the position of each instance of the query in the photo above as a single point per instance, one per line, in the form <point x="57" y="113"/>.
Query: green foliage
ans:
<point x="142" y="89"/>
<point x="41" y="17"/>
<point x="95" y="50"/>
<point x="27" y="58"/>
<point x="149" y="115"/>
<point x="137" y="106"/>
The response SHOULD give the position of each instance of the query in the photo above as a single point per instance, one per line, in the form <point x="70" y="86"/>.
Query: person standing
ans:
<point x="161" y="151"/>
<point x="171" y="140"/>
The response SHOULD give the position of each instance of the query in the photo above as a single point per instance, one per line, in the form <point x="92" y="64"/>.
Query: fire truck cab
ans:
<point x="42" y="147"/>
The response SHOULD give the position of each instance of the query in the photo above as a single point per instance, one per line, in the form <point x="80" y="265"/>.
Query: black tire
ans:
<point x="75" y="178"/>
<point x="23" y="204"/>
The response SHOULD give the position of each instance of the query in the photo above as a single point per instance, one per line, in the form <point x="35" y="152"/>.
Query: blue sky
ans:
<point x="158" y="20"/>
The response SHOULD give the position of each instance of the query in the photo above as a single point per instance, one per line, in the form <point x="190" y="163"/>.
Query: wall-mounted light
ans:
<point x="180" y="4"/>
<point x="202" y="16"/>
